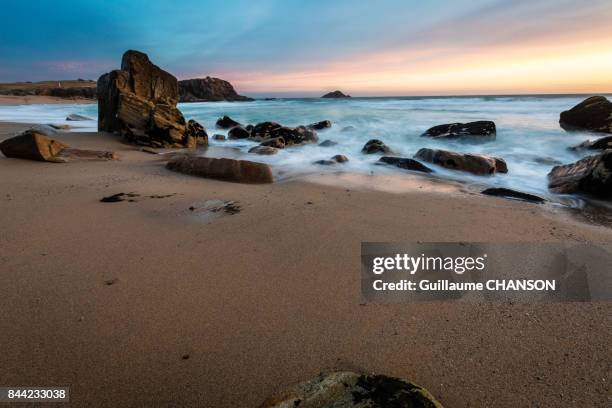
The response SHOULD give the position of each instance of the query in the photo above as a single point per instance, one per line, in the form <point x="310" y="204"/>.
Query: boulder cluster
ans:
<point x="139" y="101"/>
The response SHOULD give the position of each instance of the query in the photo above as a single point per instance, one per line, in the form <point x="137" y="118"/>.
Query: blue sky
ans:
<point x="302" y="47"/>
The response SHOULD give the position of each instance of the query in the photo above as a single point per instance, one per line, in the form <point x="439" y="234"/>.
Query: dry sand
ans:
<point x="110" y="297"/>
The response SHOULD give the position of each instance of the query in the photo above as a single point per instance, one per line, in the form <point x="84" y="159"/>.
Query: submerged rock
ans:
<point x="405" y="163"/>
<point x="591" y="175"/>
<point x="208" y="89"/>
<point x="335" y="94"/>
<point x="291" y="136"/>
<point x="320" y="125"/>
<point x="472" y="163"/>
<point x="348" y="129"/>
<point x="454" y="130"/>
<point x="226" y="123"/>
<point x="219" y="137"/>
<point x="240" y="171"/>
<point x="598" y="144"/>
<point x="267" y="150"/>
<point x="75" y="117"/>
<point x="327" y="143"/>
<point x="347" y="389"/>
<point x="32" y="145"/>
<point x="277" y="142"/>
<point x="339" y="158"/>
<point x="593" y="114"/>
<point x="238" y="132"/>
<point x="509" y="193"/>
<point x="375" y="146"/>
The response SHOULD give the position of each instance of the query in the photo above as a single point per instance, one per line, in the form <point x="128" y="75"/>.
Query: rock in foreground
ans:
<point x="352" y="390"/>
<point x="208" y="90"/>
<point x="139" y="102"/>
<point x="591" y="175"/>
<point x="405" y="163"/>
<point x="472" y="163"/>
<point x="594" y="114"/>
<point x="335" y="94"/>
<point x="481" y="128"/>
<point x="240" y="171"/>
<point x="509" y="193"/>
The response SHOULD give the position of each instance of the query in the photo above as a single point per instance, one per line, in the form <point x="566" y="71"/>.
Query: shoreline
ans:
<point x="265" y="295"/>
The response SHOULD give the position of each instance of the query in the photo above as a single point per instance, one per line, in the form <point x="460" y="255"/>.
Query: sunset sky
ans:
<point x="304" y="48"/>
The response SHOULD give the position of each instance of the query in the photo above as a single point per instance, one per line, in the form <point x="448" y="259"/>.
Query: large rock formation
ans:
<point x="241" y="171"/>
<point x="139" y="102"/>
<point x="482" y="128"/>
<point x="335" y="94"/>
<point x="266" y="131"/>
<point x="347" y="389"/>
<point x="602" y="143"/>
<point x="208" y="90"/>
<point x="594" y="114"/>
<point x="472" y="163"/>
<point x="591" y="175"/>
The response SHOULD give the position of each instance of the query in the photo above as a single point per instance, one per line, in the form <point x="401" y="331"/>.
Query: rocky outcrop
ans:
<point x="602" y="143"/>
<point x="75" y="117"/>
<point x="509" y="193"/>
<point x="139" y="102"/>
<point x="34" y="145"/>
<point x="291" y="136"/>
<point x="593" y="114"/>
<point x="472" y="163"/>
<point x="238" y="132"/>
<point x="266" y="150"/>
<point x="375" y="146"/>
<point x="276" y="142"/>
<point x="335" y="94"/>
<point x="240" y="171"/>
<point x="347" y="389"/>
<point x="324" y="124"/>
<point x="208" y="90"/>
<point x="591" y="175"/>
<point x="454" y="130"/>
<point x="226" y="123"/>
<point x="405" y="163"/>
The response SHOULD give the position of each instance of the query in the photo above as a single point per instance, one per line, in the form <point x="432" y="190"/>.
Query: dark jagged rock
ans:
<point x="302" y="134"/>
<point x="197" y="132"/>
<point x="266" y="150"/>
<point x="591" y="175"/>
<point x="264" y="130"/>
<point x="327" y="143"/>
<point x="353" y="390"/>
<point x="291" y="136"/>
<point x="240" y="171"/>
<point x="219" y="137"/>
<point x="277" y="142"/>
<point x="593" y="114"/>
<point x="602" y="143"/>
<point x="139" y="102"/>
<point x="238" y="132"/>
<point x="405" y="163"/>
<point x="325" y="162"/>
<point x="509" y="193"/>
<point x="208" y="90"/>
<point x="324" y="124"/>
<point x="455" y="130"/>
<point x="227" y="123"/>
<point x="75" y="117"/>
<point x="375" y="146"/>
<point x="472" y="163"/>
<point x="335" y="94"/>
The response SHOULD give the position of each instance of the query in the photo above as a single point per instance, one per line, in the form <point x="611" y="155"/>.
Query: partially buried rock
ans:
<point x="75" y="117"/>
<point x="593" y="114"/>
<point x="591" y="175"/>
<point x="320" y="125"/>
<point x="472" y="163"/>
<point x="347" y="389"/>
<point x="327" y="143"/>
<point x="405" y="163"/>
<point x="267" y="150"/>
<point x="598" y="144"/>
<point x="238" y="132"/>
<point x="509" y="193"/>
<point x="454" y="130"/>
<point x="226" y="123"/>
<point x="375" y="146"/>
<point x="241" y="171"/>
<point x="32" y="145"/>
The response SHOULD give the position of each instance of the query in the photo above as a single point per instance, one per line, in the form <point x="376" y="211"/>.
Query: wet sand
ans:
<point x="149" y="303"/>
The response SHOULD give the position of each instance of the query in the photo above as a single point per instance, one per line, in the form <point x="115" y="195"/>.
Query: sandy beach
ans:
<point x="149" y="303"/>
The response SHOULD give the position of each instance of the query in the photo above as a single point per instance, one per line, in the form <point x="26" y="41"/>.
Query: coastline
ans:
<point x="268" y="296"/>
<point x="41" y="100"/>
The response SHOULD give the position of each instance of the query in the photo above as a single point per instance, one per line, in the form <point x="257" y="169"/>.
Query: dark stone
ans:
<point x="472" y="163"/>
<point x="115" y="198"/>
<point x="238" y="132"/>
<point x="241" y="171"/>
<point x="75" y="117"/>
<point x="602" y="143"/>
<point x="327" y="143"/>
<point x="301" y="135"/>
<point x="219" y="137"/>
<point x="264" y="130"/>
<point x="593" y="114"/>
<point x="197" y="132"/>
<point x="320" y="125"/>
<point x="227" y="123"/>
<point x="208" y="89"/>
<point x="405" y="163"/>
<point x="325" y="162"/>
<point x="348" y="129"/>
<point x="591" y="175"/>
<point x="335" y="94"/>
<point x="375" y="146"/>
<point x="277" y="142"/>
<point x="266" y="150"/>
<point x="340" y="158"/>
<point x="291" y="136"/>
<point x="454" y="130"/>
<point x="509" y="193"/>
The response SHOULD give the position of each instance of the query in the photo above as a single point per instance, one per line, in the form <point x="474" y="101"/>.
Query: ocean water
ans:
<point x="528" y="132"/>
